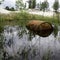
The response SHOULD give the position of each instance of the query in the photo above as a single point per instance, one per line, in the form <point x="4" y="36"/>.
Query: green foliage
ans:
<point x="22" y="18"/>
<point x="55" y="31"/>
<point x="7" y="8"/>
<point x="29" y="3"/>
<point x="32" y="3"/>
<point x="1" y="29"/>
<point x="44" y="5"/>
<point x="38" y="5"/>
<point x="1" y="1"/>
<point x="11" y="9"/>
<point x="47" y="56"/>
<point x="19" y="4"/>
<point x="1" y="42"/>
<point x="24" y="5"/>
<point x="56" y="5"/>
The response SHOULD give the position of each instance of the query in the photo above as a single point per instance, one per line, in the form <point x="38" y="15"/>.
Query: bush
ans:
<point x="7" y="8"/>
<point x="12" y="9"/>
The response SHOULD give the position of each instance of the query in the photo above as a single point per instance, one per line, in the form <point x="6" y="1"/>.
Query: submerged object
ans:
<point x="40" y="28"/>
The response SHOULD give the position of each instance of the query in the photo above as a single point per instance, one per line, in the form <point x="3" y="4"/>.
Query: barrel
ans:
<point x="40" y="28"/>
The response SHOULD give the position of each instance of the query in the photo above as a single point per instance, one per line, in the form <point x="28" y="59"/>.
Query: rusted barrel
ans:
<point x="40" y="28"/>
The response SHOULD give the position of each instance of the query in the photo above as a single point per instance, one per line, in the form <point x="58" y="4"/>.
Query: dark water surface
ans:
<point x="20" y="44"/>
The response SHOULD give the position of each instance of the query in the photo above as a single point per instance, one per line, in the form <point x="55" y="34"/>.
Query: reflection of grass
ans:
<point x="21" y="18"/>
<point x="1" y="46"/>
<point x="47" y="56"/>
<point x="55" y="30"/>
<point x="1" y="29"/>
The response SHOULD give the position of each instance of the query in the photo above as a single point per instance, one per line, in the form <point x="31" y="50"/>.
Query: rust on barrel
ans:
<point x="40" y="28"/>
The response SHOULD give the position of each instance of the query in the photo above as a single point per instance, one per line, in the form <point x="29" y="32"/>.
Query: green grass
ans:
<point x="22" y="18"/>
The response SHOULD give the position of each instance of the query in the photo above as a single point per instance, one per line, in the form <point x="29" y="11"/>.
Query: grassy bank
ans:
<point x="22" y="18"/>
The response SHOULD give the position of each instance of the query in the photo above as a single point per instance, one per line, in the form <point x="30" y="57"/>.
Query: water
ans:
<point x="20" y="44"/>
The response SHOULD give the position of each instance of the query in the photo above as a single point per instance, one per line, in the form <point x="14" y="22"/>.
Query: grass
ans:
<point x="22" y="18"/>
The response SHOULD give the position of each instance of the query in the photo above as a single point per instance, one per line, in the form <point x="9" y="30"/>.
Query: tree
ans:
<point x="56" y="7"/>
<point x="44" y="5"/>
<point x="1" y="1"/>
<point x="7" y="8"/>
<point x="24" y="5"/>
<point x="38" y="5"/>
<point x="29" y="3"/>
<point x="32" y="3"/>
<point x="12" y="9"/>
<point x="19" y="4"/>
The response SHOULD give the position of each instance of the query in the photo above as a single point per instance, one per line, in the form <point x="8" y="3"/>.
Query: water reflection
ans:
<point x="1" y="42"/>
<point x="55" y="32"/>
<point x="20" y="44"/>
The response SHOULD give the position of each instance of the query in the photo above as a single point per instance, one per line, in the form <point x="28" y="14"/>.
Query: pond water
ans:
<point x="20" y="44"/>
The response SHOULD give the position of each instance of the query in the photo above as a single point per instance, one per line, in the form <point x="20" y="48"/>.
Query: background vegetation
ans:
<point x="23" y="17"/>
